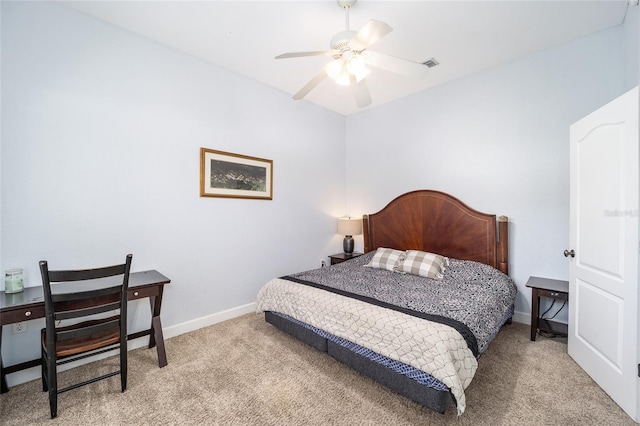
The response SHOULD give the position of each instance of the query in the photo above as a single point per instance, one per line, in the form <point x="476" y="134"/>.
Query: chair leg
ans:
<point x="53" y="403"/>
<point x="52" y="380"/>
<point x="123" y="366"/>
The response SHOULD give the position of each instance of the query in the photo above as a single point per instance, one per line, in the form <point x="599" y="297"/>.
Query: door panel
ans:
<point x="600" y="182"/>
<point x="599" y="331"/>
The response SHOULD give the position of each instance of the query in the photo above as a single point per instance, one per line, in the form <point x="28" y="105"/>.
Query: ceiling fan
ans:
<point x="351" y="59"/>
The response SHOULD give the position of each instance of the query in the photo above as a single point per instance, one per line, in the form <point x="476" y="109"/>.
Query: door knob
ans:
<point x="568" y="253"/>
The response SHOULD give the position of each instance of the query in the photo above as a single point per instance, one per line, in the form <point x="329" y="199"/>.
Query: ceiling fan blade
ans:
<point x="360" y="92"/>
<point x="369" y="34"/>
<point x="396" y="65"/>
<point x="300" y="54"/>
<point x="310" y="85"/>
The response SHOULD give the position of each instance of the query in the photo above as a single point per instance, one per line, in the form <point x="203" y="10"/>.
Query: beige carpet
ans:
<point x="246" y="372"/>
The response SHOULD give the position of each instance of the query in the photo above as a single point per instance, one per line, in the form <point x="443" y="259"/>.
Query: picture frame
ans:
<point x="229" y="175"/>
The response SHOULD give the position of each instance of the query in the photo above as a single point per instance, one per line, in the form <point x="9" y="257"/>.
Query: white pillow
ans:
<point x="424" y="264"/>
<point x="386" y="258"/>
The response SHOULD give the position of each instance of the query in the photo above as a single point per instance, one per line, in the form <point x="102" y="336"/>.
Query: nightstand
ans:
<point x="553" y="289"/>
<point x="343" y="257"/>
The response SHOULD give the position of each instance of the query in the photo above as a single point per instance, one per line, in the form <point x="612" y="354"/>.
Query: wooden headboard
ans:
<point x="439" y="223"/>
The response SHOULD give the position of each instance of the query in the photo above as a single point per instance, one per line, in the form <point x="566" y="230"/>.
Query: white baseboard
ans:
<point x="525" y="318"/>
<point x="168" y="332"/>
<point x="198" y="323"/>
<point x="522" y="317"/>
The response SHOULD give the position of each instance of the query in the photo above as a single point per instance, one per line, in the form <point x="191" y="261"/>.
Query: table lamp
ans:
<point x="349" y="226"/>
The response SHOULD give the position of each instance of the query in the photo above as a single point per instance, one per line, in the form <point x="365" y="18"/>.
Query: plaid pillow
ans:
<point x="386" y="258"/>
<point x="424" y="264"/>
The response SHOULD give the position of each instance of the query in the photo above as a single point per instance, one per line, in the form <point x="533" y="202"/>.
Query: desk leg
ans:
<point x="535" y="303"/>
<point x="155" y="337"/>
<point x="3" y="379"/>
<point x="157" y="333"/>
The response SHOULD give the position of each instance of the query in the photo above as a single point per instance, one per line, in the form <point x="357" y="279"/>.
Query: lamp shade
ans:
<point x="349" y="226"/>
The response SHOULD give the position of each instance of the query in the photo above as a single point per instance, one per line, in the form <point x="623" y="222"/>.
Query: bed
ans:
<point x="416" y="329"/>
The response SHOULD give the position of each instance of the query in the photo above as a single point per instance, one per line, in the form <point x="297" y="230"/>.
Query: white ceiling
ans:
<point x="463" y="36"/>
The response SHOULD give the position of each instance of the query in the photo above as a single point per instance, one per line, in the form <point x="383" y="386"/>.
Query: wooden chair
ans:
<point x="81" y="295"/>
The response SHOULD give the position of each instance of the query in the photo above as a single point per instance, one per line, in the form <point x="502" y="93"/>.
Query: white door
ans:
<point x="603" y="275"/>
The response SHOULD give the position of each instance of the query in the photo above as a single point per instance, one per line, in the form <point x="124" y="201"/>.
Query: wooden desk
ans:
<point x="553" y="289"/>
<point x="29" y="304"/>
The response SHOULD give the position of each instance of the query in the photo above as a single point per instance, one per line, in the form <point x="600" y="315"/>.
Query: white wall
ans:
<point x="100" y="157"/>
<point x="498" y="140"/>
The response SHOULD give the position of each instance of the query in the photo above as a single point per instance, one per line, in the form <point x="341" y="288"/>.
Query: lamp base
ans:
<point x="348" y="244"/>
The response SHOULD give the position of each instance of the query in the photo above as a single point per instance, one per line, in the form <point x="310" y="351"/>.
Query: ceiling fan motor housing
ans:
<point x="340" y="41"/>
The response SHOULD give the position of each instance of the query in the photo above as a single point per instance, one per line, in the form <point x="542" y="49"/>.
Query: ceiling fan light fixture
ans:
<point x="341" y="70"/>
<point x="344" y="78"/>
<point x="338" y="72"/>
<point x="334" y="68"/>
<point x="356" y="65"/>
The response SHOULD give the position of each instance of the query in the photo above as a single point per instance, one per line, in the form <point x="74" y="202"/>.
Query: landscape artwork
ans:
<point x="224" y="174"/>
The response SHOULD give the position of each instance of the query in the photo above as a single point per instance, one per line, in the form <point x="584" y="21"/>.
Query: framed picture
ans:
<point x="223" y="174"/>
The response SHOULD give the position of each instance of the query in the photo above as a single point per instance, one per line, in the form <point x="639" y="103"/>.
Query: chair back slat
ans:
<point x="84" y="303"/>
<point x="85" y="312"/>
<point x="86" y="274"/>
<point x="89" y="330"/>
<point x="85" y="294"/>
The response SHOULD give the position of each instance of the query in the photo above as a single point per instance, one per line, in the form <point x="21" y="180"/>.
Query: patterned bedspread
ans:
<point x="472" y="293"/>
